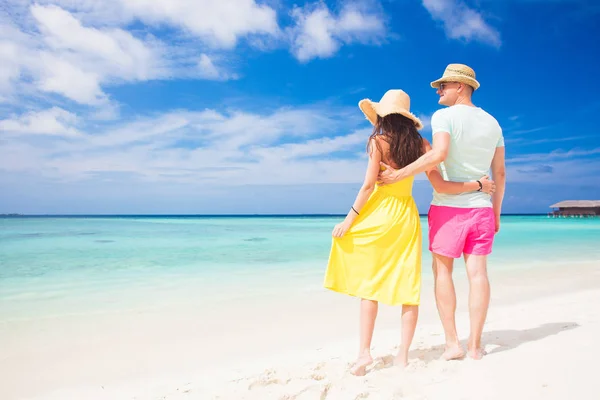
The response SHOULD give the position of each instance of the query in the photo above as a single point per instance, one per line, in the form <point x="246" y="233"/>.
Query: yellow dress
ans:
<point x="379" y="257"/>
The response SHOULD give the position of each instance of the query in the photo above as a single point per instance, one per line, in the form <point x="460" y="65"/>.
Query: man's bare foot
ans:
<point x="453" y="353"/>
<point x="360" y="365"/>
<point x="476" y="354"/>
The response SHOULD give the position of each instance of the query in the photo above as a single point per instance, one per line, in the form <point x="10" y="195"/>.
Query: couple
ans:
<point x="376" y="250"/>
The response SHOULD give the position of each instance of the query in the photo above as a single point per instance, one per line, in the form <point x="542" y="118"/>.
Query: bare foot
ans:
<point x="360" y="365"/>
<point x="453" y="353"/>
<point x="477" y="354"/>
<point x="401" y="361"/>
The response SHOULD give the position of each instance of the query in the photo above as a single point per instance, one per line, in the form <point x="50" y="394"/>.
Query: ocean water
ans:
<point x="55" y="265"/>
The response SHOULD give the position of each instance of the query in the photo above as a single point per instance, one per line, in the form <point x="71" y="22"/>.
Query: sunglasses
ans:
<point x="445" y="85"/>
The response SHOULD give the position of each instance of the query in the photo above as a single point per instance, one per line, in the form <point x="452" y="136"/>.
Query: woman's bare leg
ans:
<point x="368" y="313"/>
<point x="410" y="314"/>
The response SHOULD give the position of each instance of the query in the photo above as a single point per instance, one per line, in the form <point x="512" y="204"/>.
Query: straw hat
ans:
<point x="393" y="102"/>
<point x="457" y="73"/>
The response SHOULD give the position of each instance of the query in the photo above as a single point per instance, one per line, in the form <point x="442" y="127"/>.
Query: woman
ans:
<point x="376" y="250"/>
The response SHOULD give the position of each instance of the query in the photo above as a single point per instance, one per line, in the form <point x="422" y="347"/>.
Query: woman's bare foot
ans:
<point x="401" y="361"/>
<point x="453" y="353"/>
<point x="477" y="353"/>
<point x="360" y="365"/>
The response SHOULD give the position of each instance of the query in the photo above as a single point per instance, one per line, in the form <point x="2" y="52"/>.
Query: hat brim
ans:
<point x="457" y="78"/>
<point x="371" y="110"/>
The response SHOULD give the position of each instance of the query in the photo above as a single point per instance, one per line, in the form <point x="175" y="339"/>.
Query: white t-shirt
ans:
<point x="474" y="136"/>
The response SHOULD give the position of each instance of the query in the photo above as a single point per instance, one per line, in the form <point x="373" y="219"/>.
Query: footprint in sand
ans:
<point x="317" y="377"/>
<point x="319" y="366"/>
<point x="267" y="378"/>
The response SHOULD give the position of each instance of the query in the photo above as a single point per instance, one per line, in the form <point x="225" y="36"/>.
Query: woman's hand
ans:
<point x="487" y="186"/>
<point x="340" y="229"/>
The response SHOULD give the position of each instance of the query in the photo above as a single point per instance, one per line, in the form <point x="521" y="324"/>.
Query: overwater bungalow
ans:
<point x="576" y="208"/>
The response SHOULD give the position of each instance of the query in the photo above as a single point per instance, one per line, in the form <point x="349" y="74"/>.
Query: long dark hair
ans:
<point x="406" y="143"/>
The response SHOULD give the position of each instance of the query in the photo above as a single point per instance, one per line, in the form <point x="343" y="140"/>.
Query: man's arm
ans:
<point x="438" y="153"/>
<point x="499" y="176"/>
<point x="442" y="186"/>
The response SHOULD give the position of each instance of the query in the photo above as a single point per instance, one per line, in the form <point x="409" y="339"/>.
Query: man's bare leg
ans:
<point x="368" y="314"/>
<point x="445" y="298"/>
<point x="479" y="301"/>
<point x="410" y="314"/>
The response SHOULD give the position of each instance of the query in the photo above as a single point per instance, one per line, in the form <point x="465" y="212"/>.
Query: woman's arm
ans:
<point x="442" y="186"/>
<point x="365" y="191"/>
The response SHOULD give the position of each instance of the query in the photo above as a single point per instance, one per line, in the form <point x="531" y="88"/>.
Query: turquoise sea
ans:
<point x="55" y="265"/>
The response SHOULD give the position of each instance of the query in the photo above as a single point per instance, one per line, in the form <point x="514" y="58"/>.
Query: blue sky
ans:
<point x="249" y="106"/>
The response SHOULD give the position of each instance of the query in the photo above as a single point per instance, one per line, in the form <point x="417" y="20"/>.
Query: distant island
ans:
<point x="11" y="215"/>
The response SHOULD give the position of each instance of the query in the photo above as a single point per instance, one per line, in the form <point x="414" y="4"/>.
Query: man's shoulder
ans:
<point x="442" y="112"/>
<point x="441" y="117"/>
<point x="487" y="114"/>
<point x="450" y="112"/>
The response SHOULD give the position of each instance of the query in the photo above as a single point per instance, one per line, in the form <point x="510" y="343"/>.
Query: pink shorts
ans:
<point x="454" y="231"/>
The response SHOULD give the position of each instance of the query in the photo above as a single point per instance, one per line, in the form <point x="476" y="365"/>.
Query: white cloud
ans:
<point x="529" y="141"/>
<point x="568" y="172"/>
<point x="78" y="59"/>
<point x="47" y="48"/>
<point x="53" y="121"/>
<point x="113" y="52"/>
<point x="9" y="66"/>
<point x="315" y="147"/>
<point x="557" y="154"/>
<point x="59" y="76"/>
<point x="573" y="167"/>
<point x="281" y="147"/>
<point x="462" y="22"/>
<point x="220" y="24"/>
<point x="208" y="70"/>
<point x="72" y="60"/>
<point x="320" y="34"/>
<point x="12" y="42"/>
<point x="426" y="121"/>
<point x="77" y="49"/>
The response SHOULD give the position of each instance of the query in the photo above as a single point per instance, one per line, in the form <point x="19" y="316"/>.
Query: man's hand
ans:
<point x="388" y="175"/>
<point x="497" y="223"/>
<point x="487" y="186"/>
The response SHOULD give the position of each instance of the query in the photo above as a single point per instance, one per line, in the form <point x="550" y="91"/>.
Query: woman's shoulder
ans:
<point x="381" y="141"/>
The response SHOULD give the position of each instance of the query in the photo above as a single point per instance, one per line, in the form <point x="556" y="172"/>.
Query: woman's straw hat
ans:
<point x="393" y="102"/>
<point x="457" y="73"/>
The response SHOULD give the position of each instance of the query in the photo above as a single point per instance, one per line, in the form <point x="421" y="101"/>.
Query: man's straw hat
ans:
<point x="457" y="73"/>
<point x="393" y="102"/>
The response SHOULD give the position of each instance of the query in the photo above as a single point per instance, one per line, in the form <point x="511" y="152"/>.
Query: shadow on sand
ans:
<point x="510" y="339"/>
<point x="502" y="340"/>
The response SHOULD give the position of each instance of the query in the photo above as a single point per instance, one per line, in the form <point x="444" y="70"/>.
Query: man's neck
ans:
<point x="465" y="101"/>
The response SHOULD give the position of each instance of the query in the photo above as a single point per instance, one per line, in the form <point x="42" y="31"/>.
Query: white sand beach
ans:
<point x="541" y="338"/>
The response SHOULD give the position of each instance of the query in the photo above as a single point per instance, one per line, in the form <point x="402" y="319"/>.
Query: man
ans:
<point x="467" y="142"/>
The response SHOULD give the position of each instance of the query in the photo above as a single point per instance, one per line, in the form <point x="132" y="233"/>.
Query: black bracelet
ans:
<point x="480" y="186"/>
<point x="354" y="209"/>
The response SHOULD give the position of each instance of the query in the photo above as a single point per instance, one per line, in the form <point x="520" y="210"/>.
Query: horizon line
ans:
<point x="12" y="215"/>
